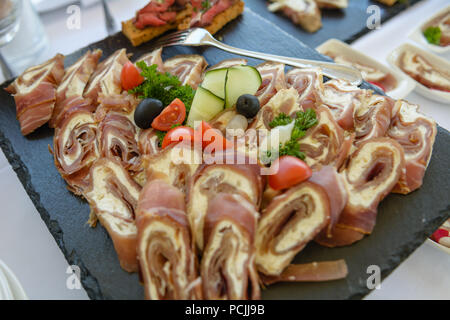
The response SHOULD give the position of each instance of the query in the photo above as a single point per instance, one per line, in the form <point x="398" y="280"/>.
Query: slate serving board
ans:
<point x="404" y="221"/>
<point x="346" y="25"/>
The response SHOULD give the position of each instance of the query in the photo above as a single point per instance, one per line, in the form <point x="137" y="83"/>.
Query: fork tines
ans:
<point x="172" y="39"/>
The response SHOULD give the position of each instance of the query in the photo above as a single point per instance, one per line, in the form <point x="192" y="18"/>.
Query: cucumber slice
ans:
<point x="241" y="80"/>
<point x="214" y="81"/>
<point x="205" y="106"/>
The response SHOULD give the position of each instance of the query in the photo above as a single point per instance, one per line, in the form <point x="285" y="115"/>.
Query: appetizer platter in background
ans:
<point x="112" y="144"/>
<point x="346" y="24"/>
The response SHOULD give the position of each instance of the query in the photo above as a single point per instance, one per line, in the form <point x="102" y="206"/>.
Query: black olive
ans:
<point x="147" y="110"/>
<point x="248" y="105"/>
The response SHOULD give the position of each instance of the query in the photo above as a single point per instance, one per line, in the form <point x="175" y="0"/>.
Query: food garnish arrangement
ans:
<point x="210" y="180"/>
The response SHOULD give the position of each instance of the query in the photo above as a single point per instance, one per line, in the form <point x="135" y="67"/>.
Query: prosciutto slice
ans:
<point x="273" y="80"/>
<point x="244" y="180"/>
<point x="70" y="90"/>
<point x="106" y="77"/>
<point x="290" y="221"/>
<point x="308" y="83"/>
<point x="113" y="196"/>
<point x="310" y="272"/>
<point x="188" y="68"/>
<point x="118" y="140"/>
<point x="372" y="172"/>
<point x="372" y="118"/>
<point x="284" y="101"/>
<point x="148" y="142"/>
<point x="416" y="133"/>
<point x="123" y="103"/>
<point x="152" y="58"/>
<point x="323" y="142"/>
<point x="166" y="255"/>
<point x="332" y="4"/>
<point x="35" y="93"/>
<point x="75" y="148"/>
<point x="228" y="262"/>
<point x="342" y="99"/>
<point x="306" y="13"/>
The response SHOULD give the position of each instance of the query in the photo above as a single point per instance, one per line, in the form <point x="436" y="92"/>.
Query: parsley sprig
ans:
<point x="433" y="35"/>
<point x="303" y="121"/>
<point x="162" y="86"/>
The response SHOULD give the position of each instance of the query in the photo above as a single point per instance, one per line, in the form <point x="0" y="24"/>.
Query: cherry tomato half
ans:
<point x="178" y="134"/>
<point x="213" y="138"/>
<point x="173" y="114"/>
<point x="291" y="171"/>
<point x="130" y="76"/>
<point x="377" y="84"/>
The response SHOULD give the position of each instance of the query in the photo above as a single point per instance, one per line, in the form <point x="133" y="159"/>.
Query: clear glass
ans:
<point x="10" y="14"/>
<point x="30" y="45"/>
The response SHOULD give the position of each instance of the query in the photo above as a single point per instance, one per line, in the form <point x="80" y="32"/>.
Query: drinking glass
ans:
<point x="10" y="13"/>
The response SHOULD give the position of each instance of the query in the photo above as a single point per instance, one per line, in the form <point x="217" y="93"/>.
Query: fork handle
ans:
<point x="329" y="69"/>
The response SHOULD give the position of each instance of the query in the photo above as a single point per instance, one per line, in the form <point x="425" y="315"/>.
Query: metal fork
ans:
<point x="200" y="37"/>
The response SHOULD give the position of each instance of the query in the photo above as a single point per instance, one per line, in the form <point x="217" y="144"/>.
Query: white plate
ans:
<point x="436" y="95"/>
<point x="10" y="287"/>
<point x="404" y="83"/>
<point x="438" y="246"/>
<point x="417" y="35"/>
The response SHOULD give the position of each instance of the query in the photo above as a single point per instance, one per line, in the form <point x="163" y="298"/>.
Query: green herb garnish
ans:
<point x="433" y="35"/>
<point x="162" y="86"/>
<point x="303" y="121"/>
<point x="160" y="135"/>
<point x="206" y="4"/>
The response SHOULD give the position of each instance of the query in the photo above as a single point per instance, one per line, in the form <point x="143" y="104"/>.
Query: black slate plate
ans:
<point x="403" y="224"/>
<point x="347" y="24"/>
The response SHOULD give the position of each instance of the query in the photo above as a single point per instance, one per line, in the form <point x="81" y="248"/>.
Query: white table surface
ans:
<point x="28" y="248"/>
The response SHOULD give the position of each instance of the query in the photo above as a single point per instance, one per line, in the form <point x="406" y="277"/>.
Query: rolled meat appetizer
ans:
<point x="113" y="196"/>
<point x="308" y="82"/>
<point x="244" y="180"/>
<point x="290" y="221"/>
<point x="372" y="118"/>
<point x="152" y="58"/>
<point x="70" y="90"/>
<point x="273" y="80"/>
<point x="166" y="254"/>
<point x="228" y="262"/>
<point x="373" y="170"/>
<point x="416" y="133"/>
<point x="75" y="148"/>
<point x="118" y="140"/>
<point x="106" y="77"/>
<point x="35" y="93"/>
<point x="188" y="68"/>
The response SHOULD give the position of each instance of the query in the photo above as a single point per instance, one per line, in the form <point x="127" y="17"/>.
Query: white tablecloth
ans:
<point x="31" y="252"/>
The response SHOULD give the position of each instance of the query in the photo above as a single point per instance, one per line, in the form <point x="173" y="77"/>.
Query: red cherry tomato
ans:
<point x="439" y="233"/>
<point x="178" y="134"/>
<point x="213" y="138"/>
<point x="290" y="171"/>
<point x="377" y="84"/>
<point x="173" y="114"/>
<point x="130" y="76"/>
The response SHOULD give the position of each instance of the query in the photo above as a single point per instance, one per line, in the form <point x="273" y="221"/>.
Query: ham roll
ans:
<point x="342" y="99"/>
<point x="148" y="142"/>
<point x="228" y="63"/>
<point x="228" y="262"/>
<point x="166" y="255"/>
<point x="372" y="172"/>
<point x="372" y="118"/>
<point x="106" y="77"/>
<point x="75" y="148"/>
<point x="70" y="90"/>
<point x="118" y="140"/>
<point x="35" y="93"/>
<point x="323" y="142"/>
<point x="284" y="101"/>
<point x="273" y="80"/>
<point x="124" y="103"/>
<point x="308" y="82"/>
<point x="415" y="132"/>
<point x="289" y="222"/>
<point x="113" y="196"/>
<point x="188" y="68"/>
<point x="244" y="180"/>
<point x="154" y="57"/>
